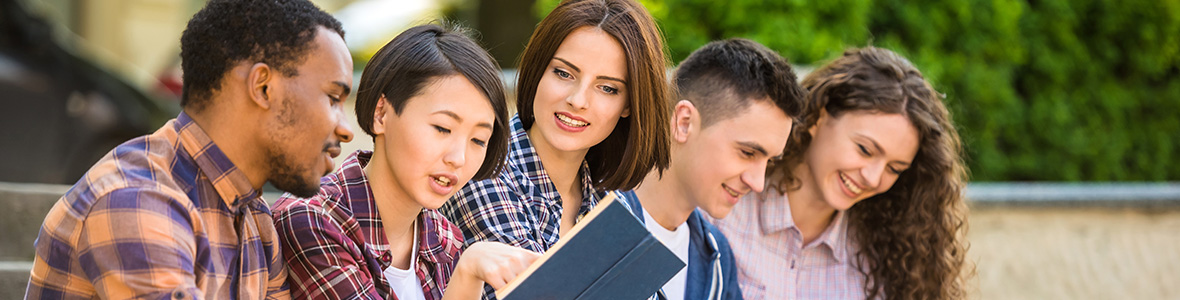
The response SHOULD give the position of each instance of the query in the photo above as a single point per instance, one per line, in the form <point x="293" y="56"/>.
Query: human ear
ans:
<point x="259" y="80"/>
<point x="824" y="117"/>
<point x="684" y="120"/>
<point x="379" y="116"/>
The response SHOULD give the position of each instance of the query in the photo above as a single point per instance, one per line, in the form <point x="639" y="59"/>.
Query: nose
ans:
<point x="755" y="177"/>
<point x="872" y="174"/>
<point x="343" y="130"/>
<point x="578" y="98"/>
<point x="456" y="154"/>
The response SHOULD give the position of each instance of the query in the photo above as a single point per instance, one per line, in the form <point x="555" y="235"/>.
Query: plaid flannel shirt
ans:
<point x="165" y="215"/>
<point x="520" y="206"/>
<point x="335" y="245"/>
<point x="775" y="264"/>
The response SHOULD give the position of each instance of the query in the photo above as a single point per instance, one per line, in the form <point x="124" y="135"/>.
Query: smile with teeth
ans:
<point x="571" y="122"/>
<point x="443" y="181"/>
<point x="731" y="192"/>
<point x="848" y="184"/>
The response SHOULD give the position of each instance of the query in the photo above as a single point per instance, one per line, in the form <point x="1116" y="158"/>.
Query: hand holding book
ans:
<point x="609" y="254"/>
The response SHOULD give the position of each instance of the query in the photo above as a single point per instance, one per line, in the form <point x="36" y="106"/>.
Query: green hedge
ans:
<point x="1057" y="90"/>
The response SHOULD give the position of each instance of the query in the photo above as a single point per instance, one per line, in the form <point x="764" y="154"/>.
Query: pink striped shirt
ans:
<point x="772" y="261"/>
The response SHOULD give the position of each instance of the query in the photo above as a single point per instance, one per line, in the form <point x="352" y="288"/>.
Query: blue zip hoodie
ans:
<point x="712" y="271"/>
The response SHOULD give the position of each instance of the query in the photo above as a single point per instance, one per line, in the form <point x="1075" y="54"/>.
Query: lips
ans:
<point x="734" y="195"/>
<point x="851" y="186"/>
<point x="569" y="122"/>
<point x="443" y="183"/>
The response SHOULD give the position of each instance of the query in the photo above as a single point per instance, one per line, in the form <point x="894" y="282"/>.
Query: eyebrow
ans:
<point x="455" y="116"/>
<point x="579" y="70"/>
<point x="755" y="146"/>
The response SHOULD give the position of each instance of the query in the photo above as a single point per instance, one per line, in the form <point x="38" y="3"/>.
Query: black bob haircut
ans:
<point x="723" y="77"/>
<point x="418" y="57"/>
<point x="278" y="33"/>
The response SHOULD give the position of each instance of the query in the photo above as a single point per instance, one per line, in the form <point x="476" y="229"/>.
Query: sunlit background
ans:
<point x="1068" y="109"/>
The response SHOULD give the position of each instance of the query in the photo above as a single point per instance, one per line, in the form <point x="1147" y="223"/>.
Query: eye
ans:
<point x="335" y="100"/>
<point x="610" y="90"/>
<point x="747" y="153"/>
<point x="479" y="142"/>
<point x="563" y="74"/>
<point x="895" y="171"/>
<point x="441" y="129"/>
<point x="863" y="150"/>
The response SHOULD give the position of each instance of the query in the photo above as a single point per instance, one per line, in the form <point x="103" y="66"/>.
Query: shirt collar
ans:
<point x="523" y="156"/>
<point x="230" y="182"/>
<point x="436" y="243"/>
<point x="775" y="215"/>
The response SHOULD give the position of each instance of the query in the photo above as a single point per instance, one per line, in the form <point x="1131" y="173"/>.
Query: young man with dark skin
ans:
<point x="178" y="213"/>
<point x="732" y="90"/>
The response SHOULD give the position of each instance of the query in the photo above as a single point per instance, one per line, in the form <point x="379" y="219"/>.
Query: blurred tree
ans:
<point x="504" y="25"/>
<point x="1054" y="90"/>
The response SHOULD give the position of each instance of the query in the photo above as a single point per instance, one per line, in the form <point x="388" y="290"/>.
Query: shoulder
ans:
<point x="145" y="162"/>
<point x="504" y="187"/>
<point x="711" y="234"/>
<point x="448" y="234"/>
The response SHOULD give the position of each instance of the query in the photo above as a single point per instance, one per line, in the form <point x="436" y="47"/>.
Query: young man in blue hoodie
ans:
<point x="733" y="91"/>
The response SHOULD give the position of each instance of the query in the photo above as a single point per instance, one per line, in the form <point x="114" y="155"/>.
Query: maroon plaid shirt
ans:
<point x="335" y="245"/>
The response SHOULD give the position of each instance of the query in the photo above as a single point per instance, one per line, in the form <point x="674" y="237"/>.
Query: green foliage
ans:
<point x="1059" y="90"/>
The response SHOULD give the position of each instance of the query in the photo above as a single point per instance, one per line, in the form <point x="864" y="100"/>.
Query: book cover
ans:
<point x="609" y="254"/>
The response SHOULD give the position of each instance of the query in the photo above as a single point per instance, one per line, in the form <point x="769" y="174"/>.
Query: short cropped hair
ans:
<point x="421" y="55"/>
<point x="639" y="142"/>
<point x="278" y="33"/>
<point x="724" y="77"/>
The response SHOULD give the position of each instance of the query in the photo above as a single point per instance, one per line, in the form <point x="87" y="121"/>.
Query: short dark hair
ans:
<point x="422" y="54"/>
<point x="722" y="78"/>
<point x="639" y="142"/>
<point x="278" y="33"/>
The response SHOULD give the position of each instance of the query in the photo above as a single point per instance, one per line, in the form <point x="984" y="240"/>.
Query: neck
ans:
<point x="812" y="215"/>
<point x="664" y="199"/>
<point x="395" y="208"/>
<point x="237" y="140"/>
<point x="562" y="166"/>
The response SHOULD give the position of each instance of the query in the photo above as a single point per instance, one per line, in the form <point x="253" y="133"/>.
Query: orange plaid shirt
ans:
<point x="165" y="215"/>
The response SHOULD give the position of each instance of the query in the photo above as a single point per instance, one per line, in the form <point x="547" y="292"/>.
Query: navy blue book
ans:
<point x="607" y="255"/>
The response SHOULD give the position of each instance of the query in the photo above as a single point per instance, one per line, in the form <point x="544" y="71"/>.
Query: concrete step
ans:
<point x="23" y="207"/>
<point x="14" y="277"/>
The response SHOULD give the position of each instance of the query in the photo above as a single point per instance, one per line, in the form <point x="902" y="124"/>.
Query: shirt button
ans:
<point x="178" y="295"/>
<point x="386" y="257"/>
<point x="792" y="264"/>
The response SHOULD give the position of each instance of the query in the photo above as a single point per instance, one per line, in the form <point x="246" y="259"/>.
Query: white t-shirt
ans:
<point x="677" y="241"/>
<point x="405" y="283"/>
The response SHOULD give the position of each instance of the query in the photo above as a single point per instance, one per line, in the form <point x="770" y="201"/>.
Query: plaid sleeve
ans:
<point x="323" y="262"/>
<point x="139" y="243"/>
<point x="492" y="210"/>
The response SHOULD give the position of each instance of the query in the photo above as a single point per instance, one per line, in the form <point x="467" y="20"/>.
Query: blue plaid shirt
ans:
<point x="166" y="215"/>
<point x="520" y="206"/>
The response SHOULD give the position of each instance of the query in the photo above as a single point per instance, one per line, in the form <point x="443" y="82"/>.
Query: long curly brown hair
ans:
<point x="911" y="237"/>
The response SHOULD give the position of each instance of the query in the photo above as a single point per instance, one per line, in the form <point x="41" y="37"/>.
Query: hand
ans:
<point x="494" y="263"/>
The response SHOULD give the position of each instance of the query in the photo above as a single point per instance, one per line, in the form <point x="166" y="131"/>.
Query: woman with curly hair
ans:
<point x="867" y="202"/>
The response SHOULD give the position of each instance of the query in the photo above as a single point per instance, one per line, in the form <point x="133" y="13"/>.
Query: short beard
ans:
<point x="286" y="172"/>
<point x="289" y="178"/>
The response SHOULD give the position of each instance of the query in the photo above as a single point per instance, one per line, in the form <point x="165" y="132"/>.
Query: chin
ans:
<point x="433" y="201"/>
<point x="718" y="212"/>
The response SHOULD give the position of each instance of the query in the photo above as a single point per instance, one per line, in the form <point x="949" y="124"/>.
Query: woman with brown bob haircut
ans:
<point x="873" y="203"/>
<point x="592" y="117"/>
